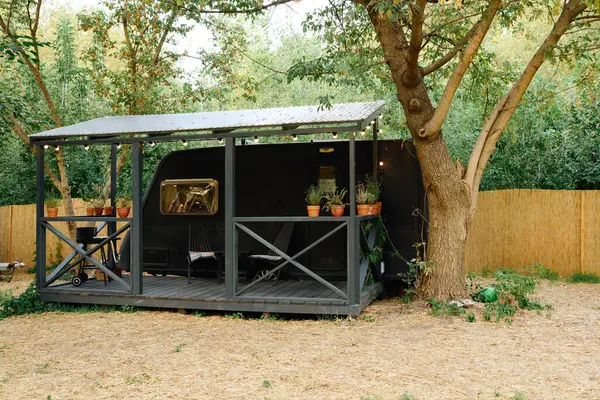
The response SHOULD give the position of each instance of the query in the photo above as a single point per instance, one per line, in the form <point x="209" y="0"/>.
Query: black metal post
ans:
<point x="137" y="241"/>
<point x="375" y="156"/>
<point x="230" y="229"/>
<point x="40" y="240"/>
<point x="112" y="227"/>
<point x="352" y="242"/>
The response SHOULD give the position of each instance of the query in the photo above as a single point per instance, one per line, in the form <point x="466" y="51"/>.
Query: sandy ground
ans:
<point x="403" y="352"/>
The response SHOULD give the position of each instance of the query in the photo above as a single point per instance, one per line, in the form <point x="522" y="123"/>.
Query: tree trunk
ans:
<point x="449" y="202"/>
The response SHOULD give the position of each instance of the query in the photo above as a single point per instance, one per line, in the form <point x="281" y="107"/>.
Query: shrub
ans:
<point x="584" y="277"/>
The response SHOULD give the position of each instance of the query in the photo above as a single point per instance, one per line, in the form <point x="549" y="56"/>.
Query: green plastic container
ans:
<point x="488" y="295"/>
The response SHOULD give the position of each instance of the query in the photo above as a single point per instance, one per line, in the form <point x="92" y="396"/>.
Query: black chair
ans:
<point x="272" y="259"/>
<point x="199" y="249"/>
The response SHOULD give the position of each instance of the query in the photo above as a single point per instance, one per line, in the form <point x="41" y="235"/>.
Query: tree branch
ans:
<point x="440" y="62"/>
<point x="504" y="110"/>
<point x="411" y="75"/>
<point x="432" y="128"/>
<point x="247" y="11"/>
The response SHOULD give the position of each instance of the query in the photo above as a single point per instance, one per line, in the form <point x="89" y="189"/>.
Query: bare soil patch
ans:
<point x="152" y="355"/>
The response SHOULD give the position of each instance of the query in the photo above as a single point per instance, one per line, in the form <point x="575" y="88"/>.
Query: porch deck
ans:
<point x="304" y="297"/>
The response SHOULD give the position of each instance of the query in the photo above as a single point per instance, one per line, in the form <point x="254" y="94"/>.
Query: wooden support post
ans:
<point x="9" y="241"/>
<point x="40" y="240"/>
<point x="137" y="242"/>
<point x="230" y="229"/>
<point x="375" y="156"/>
<point x="352" y="241"/>
<point x="112" y="226"/>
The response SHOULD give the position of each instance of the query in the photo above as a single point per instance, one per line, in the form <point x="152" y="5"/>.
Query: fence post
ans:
<point x="9" y="241"/>
<point x="582" y="231"/>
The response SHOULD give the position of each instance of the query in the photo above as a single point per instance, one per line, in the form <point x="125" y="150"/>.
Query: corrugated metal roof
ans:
<point x="220" y="120"/>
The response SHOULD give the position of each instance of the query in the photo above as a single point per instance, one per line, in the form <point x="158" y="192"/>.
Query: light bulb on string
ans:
<point x="86" y="147"/>
<point x="334" y="135"/>
<point x="185" y="143"/>
<point x="255" y="139"/>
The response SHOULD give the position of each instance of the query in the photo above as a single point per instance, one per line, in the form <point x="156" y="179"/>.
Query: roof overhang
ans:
<point x="303" y="120"/>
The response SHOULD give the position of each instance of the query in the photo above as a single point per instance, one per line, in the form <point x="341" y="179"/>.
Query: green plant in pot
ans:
<point x="123" y="206"/>
<point x="373" y="188"/>
<point x="52" y="203"/>
<point x="97" y="201"/>
<point x="364" y="200"/>
<point x="334" y="202"/>
<point x="313" y="197"/>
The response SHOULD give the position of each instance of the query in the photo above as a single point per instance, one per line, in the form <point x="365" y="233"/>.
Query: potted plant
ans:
<point x="363" y="200"/>
<point x="334" y="202"/>
<point x="52" y="207"/>
<point x="108" y="210"/>
<point x="313" y="197"/>
<point x="97" y="200"/>
<point x="374" y="189"/>
<point x="123" y="207"/>
<point x="89" y="206"/>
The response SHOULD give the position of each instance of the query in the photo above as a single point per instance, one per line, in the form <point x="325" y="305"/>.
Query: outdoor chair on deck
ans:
<point x="272" y="259"/>
<point x="199" y="249"/>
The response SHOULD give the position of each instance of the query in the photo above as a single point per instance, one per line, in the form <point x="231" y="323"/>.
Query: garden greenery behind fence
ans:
<point x="559" y="229"/>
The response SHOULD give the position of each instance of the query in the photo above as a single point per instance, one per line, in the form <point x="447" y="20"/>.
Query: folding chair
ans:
<point x="199" y="249"/>
<point x="271" y="258"/>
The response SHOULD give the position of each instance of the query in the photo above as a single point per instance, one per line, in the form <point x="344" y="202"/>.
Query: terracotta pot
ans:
<point x="378" y="207"/>
<point x="337" y="211"/>
<point x="123" y="212"/>
<point x="52" y="212"/>
<point x="374" y="209"/>
<point x="98" y="211"/>
<point x="89" y="211"/>
<point x="108" y="210"/>
<point x="364" y="209"/>
<point x="313" y="211"/>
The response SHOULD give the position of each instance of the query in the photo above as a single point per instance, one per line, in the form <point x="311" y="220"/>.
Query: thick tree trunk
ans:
<point x="449" y="203"/>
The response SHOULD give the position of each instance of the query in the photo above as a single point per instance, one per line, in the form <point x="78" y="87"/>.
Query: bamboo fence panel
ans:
<point x="515" y="228"/>
<point x="590" y="232"/>
<point x="5" y="239"/>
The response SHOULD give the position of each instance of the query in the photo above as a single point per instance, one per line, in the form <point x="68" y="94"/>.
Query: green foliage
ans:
<point x="584" y="277"/>
<point x="443" y="309"/>
<point x="236" y="315"/>
<point x="541" y="272"/>
<point x="313" y="195"/>
<point x="266" y="384"/>
<point x="179" y="347"/>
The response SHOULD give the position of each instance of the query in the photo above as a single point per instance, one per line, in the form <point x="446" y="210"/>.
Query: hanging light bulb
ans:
<point x="220" y="140"/>
<point x="294" y="137"/>
<point x="381" y="163"/>
<point x="373" y="122"/>
<point x="255" y="139"/>
<point x="152" y="144"/>
<point x="380" y="131"/>
<point x="334" y="135"/>
<point x="368" y="127"/>
<point x="380" y="116"/>
<point x="185" y="143"/>
<point x="362" y="133"/>
<point x="86" y="147"/>
<point x="118" y="145"/>
<point x="57" y="148"/>
<point x="46" y="146"/>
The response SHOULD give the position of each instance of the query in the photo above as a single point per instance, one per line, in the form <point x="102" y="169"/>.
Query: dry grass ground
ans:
<point x="403" y="352"/>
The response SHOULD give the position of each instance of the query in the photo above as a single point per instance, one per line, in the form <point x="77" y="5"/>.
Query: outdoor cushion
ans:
<point x="265" y="257"/>
<point x="195" y="255"/>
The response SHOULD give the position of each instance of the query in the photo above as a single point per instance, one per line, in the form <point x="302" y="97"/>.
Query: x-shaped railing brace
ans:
<point x="291" y="260"/>
<point x="77" y="248"/>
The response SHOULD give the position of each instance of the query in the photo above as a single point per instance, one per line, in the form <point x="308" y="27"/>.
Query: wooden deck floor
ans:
<point x="203" y="293"/>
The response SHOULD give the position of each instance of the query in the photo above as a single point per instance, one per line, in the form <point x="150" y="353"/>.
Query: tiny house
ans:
<point x="225" y="227"/>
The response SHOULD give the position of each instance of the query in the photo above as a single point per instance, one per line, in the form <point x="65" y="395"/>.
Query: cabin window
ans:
<point x="189" y="197"/>
<point x="327" y="181"/>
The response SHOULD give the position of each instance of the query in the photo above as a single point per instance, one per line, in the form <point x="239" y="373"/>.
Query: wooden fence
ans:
<point x="559" y="229"/>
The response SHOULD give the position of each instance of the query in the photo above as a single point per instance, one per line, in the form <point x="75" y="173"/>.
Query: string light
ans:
<point x="86" y="147"/>
<point x="255" y="139"/>
<point x="118" y="145"/>
<point x="381" y="163"/>
<point x="220" y="140"/>
<point x="373" y="122"/>
<point x="185" y="143"/>
<point x="334" y="135"/>
<point x="362" y="133"/>
<point x="152" y="144"/>
<point x="380" y="131"/>
<point x="57" y="148"/>
<point x="294" y="137"/>
<point x="380" y="116"/>
<point x="46" y="146"/>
